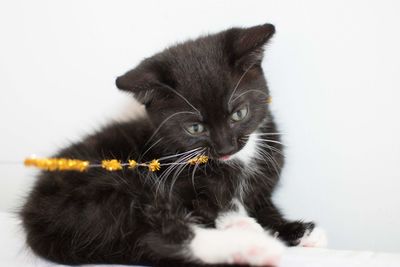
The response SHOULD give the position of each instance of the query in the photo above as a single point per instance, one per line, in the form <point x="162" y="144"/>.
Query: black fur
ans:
<point x="129" y="216"/>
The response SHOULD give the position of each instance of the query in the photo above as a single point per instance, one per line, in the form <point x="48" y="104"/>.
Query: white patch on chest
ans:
<point x="248" y="152"/>
<point x="246" y="156"/>
<point x="237" y="239"/>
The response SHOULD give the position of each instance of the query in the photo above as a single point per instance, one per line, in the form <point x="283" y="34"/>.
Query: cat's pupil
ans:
<point x="239" y="113"/>
<point x="195" y="128"/>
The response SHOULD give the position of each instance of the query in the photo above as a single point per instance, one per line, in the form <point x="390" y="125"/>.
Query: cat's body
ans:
<point x="206" y="96"/>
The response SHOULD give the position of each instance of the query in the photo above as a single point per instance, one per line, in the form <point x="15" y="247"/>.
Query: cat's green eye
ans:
<point x="195" y="128"/>
<point x="240" y="114"/>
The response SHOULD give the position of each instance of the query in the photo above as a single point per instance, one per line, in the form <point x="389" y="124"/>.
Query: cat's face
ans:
<point x="209" y="93"/>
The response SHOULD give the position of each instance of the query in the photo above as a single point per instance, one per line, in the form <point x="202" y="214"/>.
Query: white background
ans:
<point x="333" y="68"/>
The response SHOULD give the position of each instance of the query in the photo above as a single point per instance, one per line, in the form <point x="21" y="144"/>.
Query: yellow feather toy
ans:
<point x="64" y="164"/>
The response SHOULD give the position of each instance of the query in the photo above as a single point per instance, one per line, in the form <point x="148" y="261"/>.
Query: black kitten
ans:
<point x="203" y="97"/>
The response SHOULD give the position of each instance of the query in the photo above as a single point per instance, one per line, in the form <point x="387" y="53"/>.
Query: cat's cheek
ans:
<point x="235" y="246"/>
<point x="316" y="238"/>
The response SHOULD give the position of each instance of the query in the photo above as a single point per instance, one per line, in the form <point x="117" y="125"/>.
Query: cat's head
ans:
<point x="210" y="92"/>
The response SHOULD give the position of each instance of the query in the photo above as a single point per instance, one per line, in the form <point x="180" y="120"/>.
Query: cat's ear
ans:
<point x="146" y="82"/>
<point x="246" y="45"/>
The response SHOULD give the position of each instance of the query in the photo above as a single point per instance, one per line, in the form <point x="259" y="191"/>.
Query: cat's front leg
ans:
<point x="238" y="239"/>
<point x="235" y="245"/>
<point x="177" y="237"/>
<point x="293" y="233"/>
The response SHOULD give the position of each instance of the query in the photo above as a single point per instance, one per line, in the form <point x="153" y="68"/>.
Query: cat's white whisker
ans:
<point x="238" y="83"/>
<point x="184" y="98"/>
<point x="249" y="91"/>
<point x="177" y="164"/>
<point x="153" y="145"/>
<point x="180" y="169"/>
<point x="271" y="148"/>
<point x="164" y="121"/>
<point x="175" y="177"/>
<point x="194" y="172"/>
<point x="269" y="140"/>
<point x="264" y="143"/>
<point x="179" y="154"/>
<point x="265" y="134"/>
<point x="270" y="159"/>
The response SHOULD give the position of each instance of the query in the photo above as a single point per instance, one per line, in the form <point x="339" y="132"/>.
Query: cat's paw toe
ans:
<point x="314" y="238"/>
<point x="265" y="257"/>
<point x="259" y="255"/>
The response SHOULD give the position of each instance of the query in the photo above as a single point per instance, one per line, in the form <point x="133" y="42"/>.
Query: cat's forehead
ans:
<point x="197" y="62"/>
<point x="201" y="69"/>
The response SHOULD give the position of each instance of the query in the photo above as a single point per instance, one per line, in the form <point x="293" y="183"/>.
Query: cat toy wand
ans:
<point x="64" y="164"/>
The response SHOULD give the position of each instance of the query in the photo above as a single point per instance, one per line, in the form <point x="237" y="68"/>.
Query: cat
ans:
<point x="206" y="96"/>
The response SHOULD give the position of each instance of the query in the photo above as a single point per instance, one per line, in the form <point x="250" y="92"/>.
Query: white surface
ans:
<point x="333" y="68"/>
<point x="13" y="253"/>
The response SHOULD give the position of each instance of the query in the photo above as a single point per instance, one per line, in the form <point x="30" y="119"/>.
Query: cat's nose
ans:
<point x="226" y="151"/>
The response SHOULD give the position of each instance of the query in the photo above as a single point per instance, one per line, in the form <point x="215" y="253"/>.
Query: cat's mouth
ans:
<point x="231" y="156"/>
<point x="246" y="151"/>
<point x="225" y="158"/>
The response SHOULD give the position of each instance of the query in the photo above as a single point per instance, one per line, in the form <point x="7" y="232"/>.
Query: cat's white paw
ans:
<point x="235" y="246"/>
<point x="315" y="238"/>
